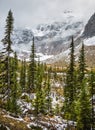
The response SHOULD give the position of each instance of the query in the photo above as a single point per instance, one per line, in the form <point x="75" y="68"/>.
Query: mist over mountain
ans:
<point x="52" y="40"/>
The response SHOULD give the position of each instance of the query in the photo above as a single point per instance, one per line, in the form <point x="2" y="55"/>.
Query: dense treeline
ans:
<point x="18" y="77"/>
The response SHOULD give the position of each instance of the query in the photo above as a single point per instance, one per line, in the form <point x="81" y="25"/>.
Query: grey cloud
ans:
<point x="32" y="12"/>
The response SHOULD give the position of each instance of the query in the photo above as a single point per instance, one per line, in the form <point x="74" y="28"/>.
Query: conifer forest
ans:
<point x="35" y="95"/>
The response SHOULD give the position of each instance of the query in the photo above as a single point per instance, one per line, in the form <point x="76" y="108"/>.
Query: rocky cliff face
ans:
<point x="88" y="37"/>
<point x="89" y="30"/>
<point x="54" y="38"/>
<point x="22" y="36"/>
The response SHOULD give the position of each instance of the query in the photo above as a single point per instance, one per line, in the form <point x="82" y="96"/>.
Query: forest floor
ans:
<point x="26" y="123"/>
<point x="11" y="122"/>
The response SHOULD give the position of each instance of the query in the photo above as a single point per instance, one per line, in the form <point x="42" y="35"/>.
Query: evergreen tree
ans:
<point x="81" y="71"/>
<point x="14" y="84"/>
<point x="83" y="103"/>
<point x="39" y="102"/>
<point x="55" y="74"/>
<point x="69" y="89"/>
<point x="84" y="108"/>
<point x="32" y="70"/>
<point x="48" y="92"/>
<point x="23" y="76"/>
<point x="7" y="60"/>
<point x="82" y="64"/>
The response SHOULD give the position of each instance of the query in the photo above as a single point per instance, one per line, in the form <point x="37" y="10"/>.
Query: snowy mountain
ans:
<point x="53" y="38"/>
<point x="89" y="30"/>
<point x="50" y="39"/>
<point x="87" y="36"/>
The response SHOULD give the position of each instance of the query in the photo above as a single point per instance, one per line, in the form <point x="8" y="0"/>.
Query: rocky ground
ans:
<point x="11" y="122"/>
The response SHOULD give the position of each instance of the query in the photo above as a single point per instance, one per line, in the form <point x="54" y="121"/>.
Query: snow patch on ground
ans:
<point x="55" y="122"/>
<point x="19" y="119"/>
<point x="24" y="106"/>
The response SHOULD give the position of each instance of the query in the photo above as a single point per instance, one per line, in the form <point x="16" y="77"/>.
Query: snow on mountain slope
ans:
<point x="22" y="36"/>
<point x="90" y="41"/>
<point x="51" y="40"/>
<point x="67" y="27"/>
<point x="55" y="37"/>
<point x="64" y="57"/>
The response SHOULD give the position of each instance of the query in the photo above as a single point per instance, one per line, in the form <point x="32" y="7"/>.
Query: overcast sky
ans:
<point x="28" y="13"/>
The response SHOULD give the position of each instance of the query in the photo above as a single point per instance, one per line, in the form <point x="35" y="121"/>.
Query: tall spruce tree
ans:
<point x="69" y="88"/>
<point x="48" y="93"/>
<point x="7" y="43"/>
<point x="84" y="108"/>
<point x="83" y="103"/>
<point x="39" y="101"/>
<point x="14" y="83"/>
<point x="81" y="70"/>
<point x="32" y="69"/>
<point x="82" y="64"/>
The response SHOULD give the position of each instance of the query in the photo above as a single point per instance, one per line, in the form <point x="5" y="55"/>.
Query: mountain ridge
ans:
<point x="52" y="40"/>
